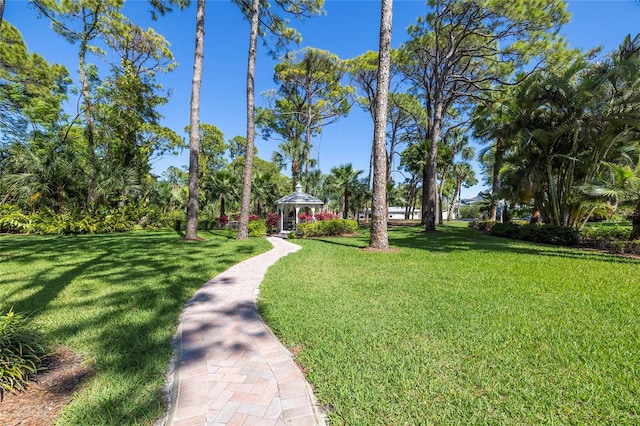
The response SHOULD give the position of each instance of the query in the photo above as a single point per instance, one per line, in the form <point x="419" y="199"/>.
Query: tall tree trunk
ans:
<point x="495" y="179"/>
<point x="345" y="214"/>
<point x="635" y="222"/>
<point x="440" y="195"/>
<point x="243" y="224"/>
<point x="456" y="194"/>
<point x="432" y="163"/>
<point x="295" y="174"/>
<point x="194" y="126"/>
<point x="553" y="195"/>
<point x="379" y="235"/>
<point x="307" y="147"/>
<point x="5" y="198"/>
<point x="535" y="217"/>
<point x="423" y="195"/>
<point x="1" y="11"/>
<point x="89" y="130"/>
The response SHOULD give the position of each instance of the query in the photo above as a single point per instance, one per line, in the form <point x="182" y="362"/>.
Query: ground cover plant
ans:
<point x="22" y="352"/>
<point x="458" y="327"/>
<point x="114" y="299"/>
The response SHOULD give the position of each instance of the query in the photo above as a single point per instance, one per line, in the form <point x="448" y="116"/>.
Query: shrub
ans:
<point x="328" y="228"/>
<point x="257" y="228"/>
<point x="96" y="220"/>
<point x="272" y="222"/>
<point x="471" y="211"/>
<point x="21" y="352"/>
<point x="12" y="219"/>
<point x="506" y="230"/>
<point x="326" y="216"/>
<point x="625" y="247"/>
<point x="305" y="217"/>
<point x="547" y="234"/>
<point x="482" y="225"/>
<point x="604" y="233"/>
<point x="222" y="221"/>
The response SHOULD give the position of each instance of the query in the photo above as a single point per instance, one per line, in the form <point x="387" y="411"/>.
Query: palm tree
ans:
<point x="621" y="184"/>
<point x="464" y="175"/>
<point x="291" y="152"/>
<point x="344" y="180"/>
<point x="494" y="122"/>
<point x="264" y="191"/>
<point x="224" y="186"/>
<point x="452" y="145"/>
<point x="41" y="175"/>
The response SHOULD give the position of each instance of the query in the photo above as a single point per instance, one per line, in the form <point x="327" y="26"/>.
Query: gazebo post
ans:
<point x="297" y="212"/>
<point x="313" y="213"/>
<point x="281" y="220"/>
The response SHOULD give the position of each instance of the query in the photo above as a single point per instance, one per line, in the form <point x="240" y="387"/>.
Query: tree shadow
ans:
<point x="449" y="239"/>
<point x="118" y="298"/>
<point x="468" y="239"/>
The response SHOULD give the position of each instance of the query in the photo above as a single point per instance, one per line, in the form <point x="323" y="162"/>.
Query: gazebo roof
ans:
<point x="299" y="198"/>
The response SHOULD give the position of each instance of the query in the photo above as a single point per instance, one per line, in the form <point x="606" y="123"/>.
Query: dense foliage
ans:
<point x="257" y="228"/>
<point x="565" y="141"/>
<point x="548" y="234"/>
<point x="91" y="173"/>
<point x="22" y="352"/>
<point x="329" y="227"/>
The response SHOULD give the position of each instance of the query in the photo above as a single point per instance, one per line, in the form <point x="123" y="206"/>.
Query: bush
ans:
<point x="257" y="228"/>
<point x="625" y="247"/>
<point x="326" y="228"/>
<point x="506" y="230"/>
<point x="326" y="216"/>
<point x="272" y="222"/>
<point x="547" y="234"/>
<point x="21" y="352"/>
<point x="305" y="217"/>
<point x="12" y="219"/>
<point x="98" y="220"/>
<point x="471" y="211"/>
<point x="604" y="233"/>
<point x="482" y="225"/>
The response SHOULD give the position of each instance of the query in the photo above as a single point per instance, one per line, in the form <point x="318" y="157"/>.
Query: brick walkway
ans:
<point x="230" y="368"/>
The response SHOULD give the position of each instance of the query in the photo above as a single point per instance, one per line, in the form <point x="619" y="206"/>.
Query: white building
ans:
<point x="396" y="213"/>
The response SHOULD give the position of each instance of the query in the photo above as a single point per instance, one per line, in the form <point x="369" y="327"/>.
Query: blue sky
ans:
<point x="349" y="28"/>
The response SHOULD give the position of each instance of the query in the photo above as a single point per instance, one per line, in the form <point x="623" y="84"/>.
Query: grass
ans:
<point x="116" y="299"/>
<point x="461" y="328"/>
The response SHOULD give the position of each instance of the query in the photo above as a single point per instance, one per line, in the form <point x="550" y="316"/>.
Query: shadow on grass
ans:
<point x="116" y="298"/>
<point x="449" y="239"/>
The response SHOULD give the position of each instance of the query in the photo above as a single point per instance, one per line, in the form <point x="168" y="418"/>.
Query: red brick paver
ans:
<point x="230" y="369"/>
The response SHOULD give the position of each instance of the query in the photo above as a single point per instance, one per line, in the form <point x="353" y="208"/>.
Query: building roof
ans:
<point x="299" y="198"/>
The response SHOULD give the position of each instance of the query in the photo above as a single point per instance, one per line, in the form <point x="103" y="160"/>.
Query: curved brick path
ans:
<point x="230" y="369"/>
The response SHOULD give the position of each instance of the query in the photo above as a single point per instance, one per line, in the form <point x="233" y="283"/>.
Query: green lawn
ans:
<point x="116" y="299"/>
<point x="461" y="328"/>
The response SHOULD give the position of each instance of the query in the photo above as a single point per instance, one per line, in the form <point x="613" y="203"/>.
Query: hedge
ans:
<point x="257" y="228"/>
<point x="325" y="228"/>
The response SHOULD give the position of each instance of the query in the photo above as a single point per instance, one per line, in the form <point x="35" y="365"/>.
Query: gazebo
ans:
<point x="292" y="203"/>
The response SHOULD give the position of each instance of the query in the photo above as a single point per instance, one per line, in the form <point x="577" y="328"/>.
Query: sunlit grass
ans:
<point x="115" y="299"/>
<point x="460" y="328"/>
